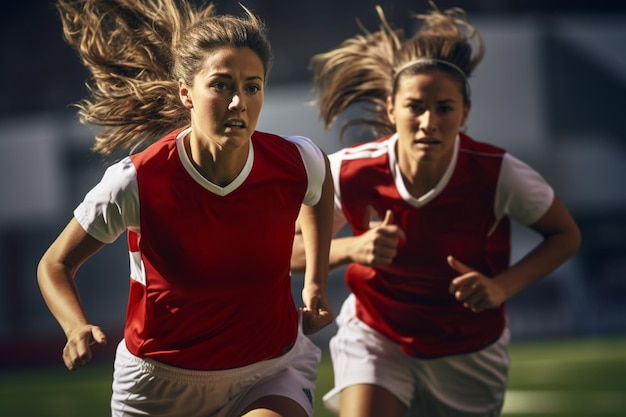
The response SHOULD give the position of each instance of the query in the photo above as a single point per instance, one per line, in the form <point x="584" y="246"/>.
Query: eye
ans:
<point x="253" y="89"/>
<point x="219" y="86"/>
<point x="415" y="108"/>
<point x="445" y="109"/>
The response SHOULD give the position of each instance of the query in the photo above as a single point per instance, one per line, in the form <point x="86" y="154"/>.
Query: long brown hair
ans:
<point x="364" y="69"/>
<point x="136" y="51"/>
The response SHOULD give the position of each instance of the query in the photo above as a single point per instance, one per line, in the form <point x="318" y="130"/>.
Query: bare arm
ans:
<point x="377" y="246"/>
<point x="561" y="240"/>
<point x="315" y="224"/>
<point x="338" y="256"/>
<point x="55" y="274"/>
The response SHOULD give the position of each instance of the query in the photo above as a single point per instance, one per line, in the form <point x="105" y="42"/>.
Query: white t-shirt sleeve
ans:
<point x="522" y="194"/>
<point x="315" y="166"/>
<point x="112" y="206"/>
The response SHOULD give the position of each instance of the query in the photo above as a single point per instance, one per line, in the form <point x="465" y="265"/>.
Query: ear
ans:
<point x="466" y="110"/>
<point x="391" y="110"/>
<point x="185" y="94"/>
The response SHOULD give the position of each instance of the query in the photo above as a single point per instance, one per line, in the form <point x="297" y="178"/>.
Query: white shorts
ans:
<point x="465" y="385"/>
<point x="144" y="387"/>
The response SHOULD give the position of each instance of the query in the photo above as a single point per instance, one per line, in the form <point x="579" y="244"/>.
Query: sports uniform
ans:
<point x="197" y="286"/>
<point x="400" y="322"/>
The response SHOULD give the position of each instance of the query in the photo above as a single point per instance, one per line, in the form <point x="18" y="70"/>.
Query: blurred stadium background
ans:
<point x="552" y="90"/>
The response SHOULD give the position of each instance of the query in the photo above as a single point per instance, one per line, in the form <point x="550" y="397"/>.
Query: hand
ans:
<point x="379" y="245"/>
<point x="77" y="350"/>
<point x="475" y="290"/>
<point x="317" y="311"/>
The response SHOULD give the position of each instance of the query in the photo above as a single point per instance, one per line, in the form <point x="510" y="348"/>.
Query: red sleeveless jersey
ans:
<point x="409" y="301"/>
<point x="217" y="291"/>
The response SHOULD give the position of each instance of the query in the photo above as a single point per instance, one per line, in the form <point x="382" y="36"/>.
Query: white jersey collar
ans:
<point x="397" y="175"/>
<point x="193" y="172"/>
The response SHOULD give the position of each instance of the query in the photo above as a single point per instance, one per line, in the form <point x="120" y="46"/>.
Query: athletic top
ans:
<point x="210" y="280"/>
<point x="466" y="215"/>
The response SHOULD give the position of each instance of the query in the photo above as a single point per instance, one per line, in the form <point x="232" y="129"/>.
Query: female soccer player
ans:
<point x="424" y="329"/>
<point x="211" y="328"/>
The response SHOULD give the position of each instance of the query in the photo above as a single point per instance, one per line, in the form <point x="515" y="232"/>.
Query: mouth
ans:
<point x="427" y="141"/>
<point x="237" y="124"/>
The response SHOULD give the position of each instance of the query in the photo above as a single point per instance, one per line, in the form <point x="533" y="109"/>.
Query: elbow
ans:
<point x="50" y="270"/>
<point x="569" y="242"/>
<point x="42" y="271"/>
<point x="298" y="258"/>
<point x="297" y="267"/>
<point x="575" y="241"/>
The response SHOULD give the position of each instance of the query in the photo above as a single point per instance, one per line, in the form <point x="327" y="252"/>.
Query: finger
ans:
<point x="67" y="359"/>
<point x="312" y="305"/>
<point x="459" y="266"/>
<point x="312" y="324"/>
<point x="396" y="232"/>
<point x="308" y="321"/>
<point x="465" y="284"/>
<point x="470" y="298"/>
<point x="75" y="357"/>
<point x="399" y="233"/>
<point x="388" y="218"/>
<point x="98" y="336"/>
<point x="83" y="355"/>
<point x="372" y="215"/>
<point x="462" y="293"/>
<point x="476" y="303"/>
<point x="385" y="247"/>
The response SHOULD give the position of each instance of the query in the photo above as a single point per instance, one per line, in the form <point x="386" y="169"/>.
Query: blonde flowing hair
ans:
<point x="365" y="69"/>
<point x="136" y="51"/>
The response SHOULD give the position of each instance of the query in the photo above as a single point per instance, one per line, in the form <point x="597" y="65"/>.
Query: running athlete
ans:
<point x="424" y="330"/>
<point x="212" y="328"/>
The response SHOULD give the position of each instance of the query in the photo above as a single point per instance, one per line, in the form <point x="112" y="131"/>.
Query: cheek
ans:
<point x="410" y="124"/>
<point x="207" y="112"/>
<point x="254" y="107"/>
<point x="452" y="122"/>
<point x="215" y="105"/>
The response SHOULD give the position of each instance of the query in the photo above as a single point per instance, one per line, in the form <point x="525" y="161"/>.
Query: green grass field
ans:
<point x="573" y="378"/>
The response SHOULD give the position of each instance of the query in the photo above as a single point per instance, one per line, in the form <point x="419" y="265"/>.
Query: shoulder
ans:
<point x="478" y="160"/>
<point x="275" y="139"/>
<point x="360" y="158"/>
<point x="308" y="155"/>
<point x="523" y="193"/>
<point x="516" y="171"/>
<point x="286" y="146"/>
<point x="472" y="146"/>
<point x="164" y="146"/>
<point x="119" y="176"/>
<point x="112" y="205"/>
<point x="304" y="144"/>
<point x="367" y="151"/>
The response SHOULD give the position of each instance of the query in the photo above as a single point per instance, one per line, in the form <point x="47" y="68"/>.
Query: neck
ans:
<point x="217" y="164"/>
<point x="421" y="176"/>
<point x="419" y="184"/>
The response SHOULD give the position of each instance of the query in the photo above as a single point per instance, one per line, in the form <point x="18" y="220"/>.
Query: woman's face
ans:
<point x="226" y="97"/>
<point x="428" y="111"/>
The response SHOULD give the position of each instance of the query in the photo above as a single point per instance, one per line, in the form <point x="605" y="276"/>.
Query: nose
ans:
<point x="236" y="103"/>
<point x="428" y="121"/>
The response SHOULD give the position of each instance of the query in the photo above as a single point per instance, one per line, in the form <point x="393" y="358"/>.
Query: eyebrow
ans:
<point x="444" y="101"/>
<point x="230" y="77"/>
